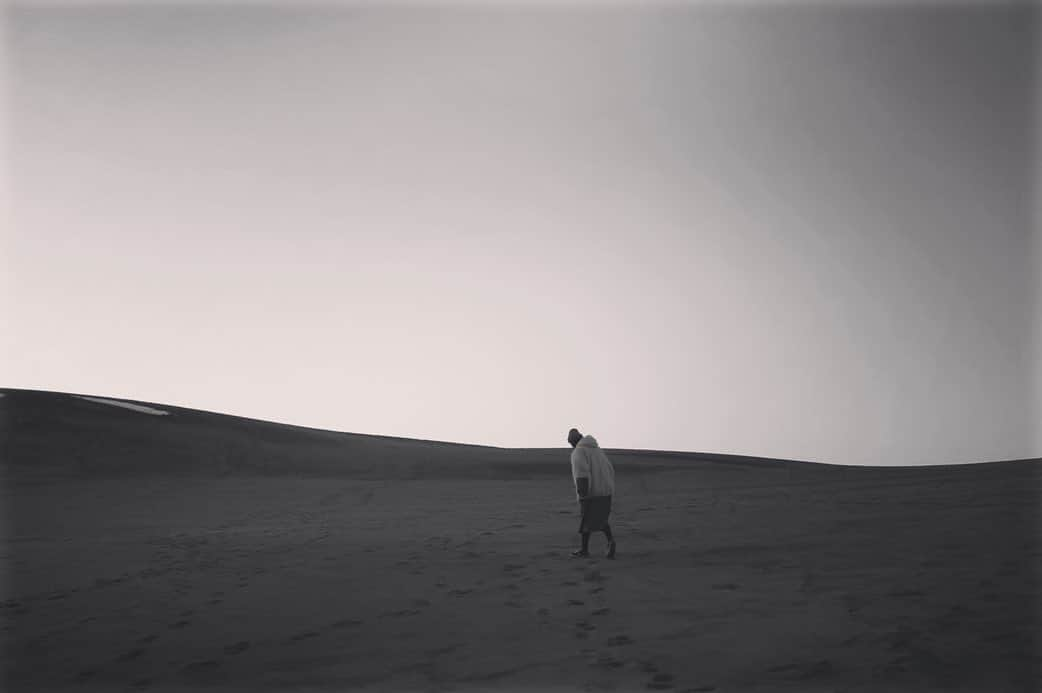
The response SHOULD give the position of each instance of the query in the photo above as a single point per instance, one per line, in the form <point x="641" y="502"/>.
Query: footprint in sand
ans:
<point x="106" y="582"/>
<point x="346" y="623"/>
<point x="303" y="636"/>
<point x="147" y="639"/>
<point x="401" y="613"/>
<point x="619" y="641"/>
<point x="460" y="593"/>
<point x="661" y="682"/>
<point x="201" y="669"/>
<point x="605" y="660"/>
<point x="179" y="624"/>
<point x="602" y="611"/>
<point x="583" y="628"/>
<point x="237" y="648"/>
<point x="575" y="602"/>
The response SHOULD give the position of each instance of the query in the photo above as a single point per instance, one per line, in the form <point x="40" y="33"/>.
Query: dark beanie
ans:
<point x="574" y="436"/>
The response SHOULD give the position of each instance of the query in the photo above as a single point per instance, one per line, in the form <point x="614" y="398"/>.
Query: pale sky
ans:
<point x="786" y="231"/>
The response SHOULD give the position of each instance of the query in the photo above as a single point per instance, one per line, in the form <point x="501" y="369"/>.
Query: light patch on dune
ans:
<point x="126" y="405"/>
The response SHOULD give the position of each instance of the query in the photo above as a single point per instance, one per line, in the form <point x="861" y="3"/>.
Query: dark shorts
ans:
<point x="595" y="512"/>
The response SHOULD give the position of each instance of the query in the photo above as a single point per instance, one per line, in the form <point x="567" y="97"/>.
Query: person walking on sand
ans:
<point x="594" y="479"/>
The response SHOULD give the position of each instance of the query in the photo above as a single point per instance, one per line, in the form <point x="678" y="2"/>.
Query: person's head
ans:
<point x="574" y="437"/>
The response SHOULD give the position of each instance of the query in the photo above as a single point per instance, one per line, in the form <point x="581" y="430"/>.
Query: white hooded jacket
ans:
<point x="588" y="460"/>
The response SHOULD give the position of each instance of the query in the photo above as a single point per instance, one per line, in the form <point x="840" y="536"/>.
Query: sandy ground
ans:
<point x="724" y="582"/>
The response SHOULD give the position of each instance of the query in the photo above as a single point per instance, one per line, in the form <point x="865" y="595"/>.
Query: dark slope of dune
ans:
<point x="59" y="435"/>
<point x="55" y="435"/>
<point x="198" y="551"/>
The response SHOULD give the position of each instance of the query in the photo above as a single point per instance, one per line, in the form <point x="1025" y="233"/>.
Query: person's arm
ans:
<point x="581" y="472"/>
<point x="582" y="486"/>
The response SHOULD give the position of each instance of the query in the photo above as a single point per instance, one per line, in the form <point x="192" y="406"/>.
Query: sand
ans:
<point x="730" y="576"/>
<point x="126" y="405"/>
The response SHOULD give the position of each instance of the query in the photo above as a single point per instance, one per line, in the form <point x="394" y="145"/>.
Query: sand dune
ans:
<point x="200" y="551"/>
<point x="126" y="405"/>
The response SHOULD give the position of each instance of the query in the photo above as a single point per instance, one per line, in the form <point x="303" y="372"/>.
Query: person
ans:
<point x="594" y="479"/>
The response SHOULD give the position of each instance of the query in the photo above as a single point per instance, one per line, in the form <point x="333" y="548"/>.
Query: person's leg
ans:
<point x="611" y="541"/>
<point x="607" y="533"/>
<point x="584" y="508"/>
<point x="585" y="550"/>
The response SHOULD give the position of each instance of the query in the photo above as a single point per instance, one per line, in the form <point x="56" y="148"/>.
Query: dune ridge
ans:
<point x="53" y="434"/>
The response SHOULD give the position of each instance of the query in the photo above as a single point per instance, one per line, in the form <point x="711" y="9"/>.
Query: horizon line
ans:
<point x="625" y="451"/>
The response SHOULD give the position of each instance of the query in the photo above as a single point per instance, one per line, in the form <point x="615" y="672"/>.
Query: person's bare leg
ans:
<point x="611" y="542"/>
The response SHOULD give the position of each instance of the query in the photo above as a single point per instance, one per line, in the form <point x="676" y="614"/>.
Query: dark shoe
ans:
<point x="611" y="550"/>
<point x="580" y="554"/>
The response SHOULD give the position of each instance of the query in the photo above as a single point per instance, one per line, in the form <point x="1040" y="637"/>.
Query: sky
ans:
<point x="774" y="229"/>
<point x="1037" y="239"/>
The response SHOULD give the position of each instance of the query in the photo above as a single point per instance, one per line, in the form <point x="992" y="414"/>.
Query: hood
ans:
<point x="587" y="442"/>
